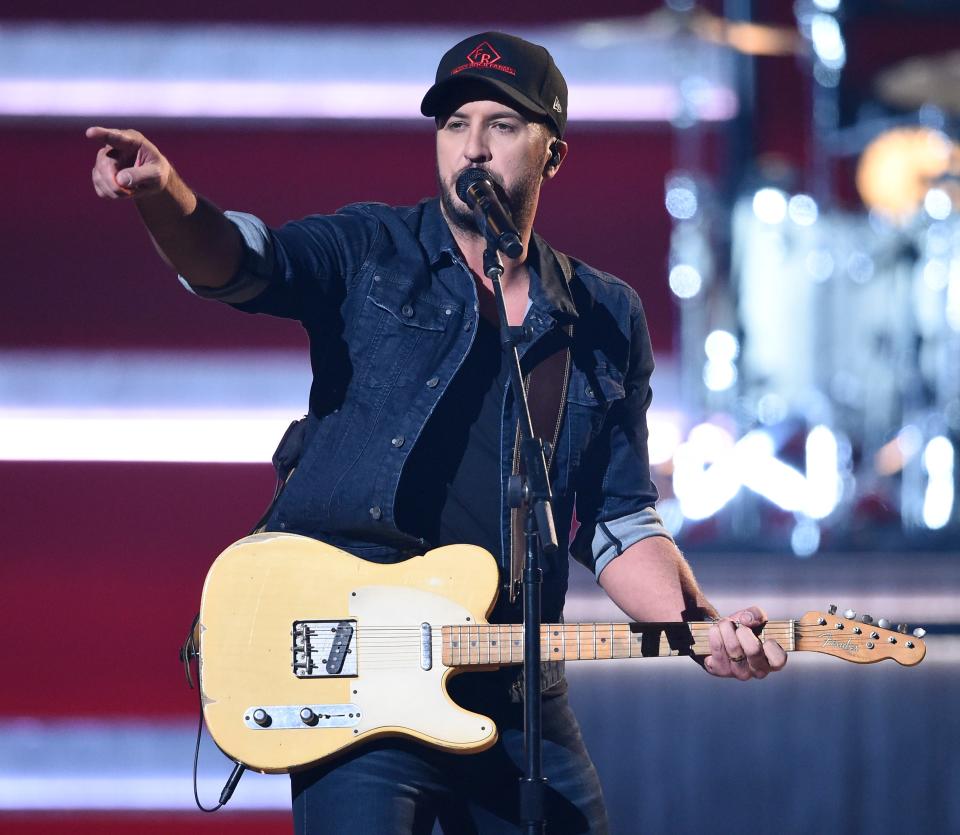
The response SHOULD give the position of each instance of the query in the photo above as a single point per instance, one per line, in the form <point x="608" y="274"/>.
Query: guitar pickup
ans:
<point x="324" y="648"/>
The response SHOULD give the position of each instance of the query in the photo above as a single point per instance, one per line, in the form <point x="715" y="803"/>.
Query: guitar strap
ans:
<point x="546" y="387"/>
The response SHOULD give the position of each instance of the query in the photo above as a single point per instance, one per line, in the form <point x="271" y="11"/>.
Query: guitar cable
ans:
<point x="188" y="652"/>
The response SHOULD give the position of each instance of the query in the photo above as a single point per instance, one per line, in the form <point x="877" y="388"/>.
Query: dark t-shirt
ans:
<point x="450" y="488"/>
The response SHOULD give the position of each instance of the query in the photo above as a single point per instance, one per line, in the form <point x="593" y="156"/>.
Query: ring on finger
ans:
<point x="738" y="659"/>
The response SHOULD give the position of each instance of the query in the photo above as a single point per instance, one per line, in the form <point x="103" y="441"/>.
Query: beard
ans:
<point x="520" y="200"/>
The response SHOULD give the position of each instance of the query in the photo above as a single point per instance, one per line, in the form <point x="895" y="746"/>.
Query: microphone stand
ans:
<point x="533" y="491"/>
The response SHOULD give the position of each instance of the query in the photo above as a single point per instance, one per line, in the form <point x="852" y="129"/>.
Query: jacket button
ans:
<point x="588" y="391"/>
<point x="376" y="513"/>
<point x="398" y="441"/>
<point x="407" y="310"/>
<point x="376" y="278"/>
<point x="432" y="382"/>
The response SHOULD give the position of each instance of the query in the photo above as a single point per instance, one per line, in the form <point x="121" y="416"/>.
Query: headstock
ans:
<point x="861" y="641"/>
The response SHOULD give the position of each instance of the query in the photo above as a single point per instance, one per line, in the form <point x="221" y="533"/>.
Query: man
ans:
<point x="410" y="438"/>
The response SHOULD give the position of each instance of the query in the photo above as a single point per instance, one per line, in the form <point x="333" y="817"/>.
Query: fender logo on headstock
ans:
<point x="847" y="645"/>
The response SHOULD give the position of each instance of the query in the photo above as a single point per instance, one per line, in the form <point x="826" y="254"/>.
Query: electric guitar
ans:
<point x="306" y="650"/>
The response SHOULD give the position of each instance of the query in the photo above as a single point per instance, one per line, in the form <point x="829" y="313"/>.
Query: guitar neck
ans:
<point x="469" y="645"/>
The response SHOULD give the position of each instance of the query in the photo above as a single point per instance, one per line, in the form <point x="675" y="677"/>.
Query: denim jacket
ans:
<point x="391" y="311"/>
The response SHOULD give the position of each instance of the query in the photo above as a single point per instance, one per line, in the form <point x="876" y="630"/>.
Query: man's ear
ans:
<point x="558" y="152"/>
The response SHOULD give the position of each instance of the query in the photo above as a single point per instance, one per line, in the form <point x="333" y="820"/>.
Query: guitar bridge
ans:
<point x="324" y="648"/>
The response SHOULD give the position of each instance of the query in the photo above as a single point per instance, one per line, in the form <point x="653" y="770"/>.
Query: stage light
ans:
<point x="685" y="281"/>
<point x="938" y="458"/>
<point x="828" y="41"/>
<point x="719" y="376"/>
<point x="681" y="197"/>
<point x="703" y="489"/>
<point x="663" y="437"/>
<point x="937" y="204"/>
<point x="952" y="310"/>
<point x="823" y="475"/>
<point x="802" y="209"/>
<point x="859" y="267"/>
<point x="771" y="409"/>
<point x="770" y="205"/>
<point x="827" y="5"/>
<point x="936" y="274"/>
<point x="819" y="264"/>
<point x="805" y="538"/>
<point x="721" y="346"/>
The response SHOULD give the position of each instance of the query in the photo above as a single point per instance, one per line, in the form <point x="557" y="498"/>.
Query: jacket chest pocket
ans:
<point x="589" y="398"/>
<point x="397" y="334"/>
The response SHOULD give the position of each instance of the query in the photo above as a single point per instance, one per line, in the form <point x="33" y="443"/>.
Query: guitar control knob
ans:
<point x="919" y="632"/>
<point x="262" y="718"/>
<point x="832" y="608"/>
<point x="902" y="628"/>
<point x="883" y="623"/>
<point x="308" y="717"/>
<point x="849" y="614"/>
<point x="868" y="619"/>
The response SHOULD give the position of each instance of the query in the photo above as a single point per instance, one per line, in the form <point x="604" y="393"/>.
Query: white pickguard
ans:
<point x="392" y="689"/>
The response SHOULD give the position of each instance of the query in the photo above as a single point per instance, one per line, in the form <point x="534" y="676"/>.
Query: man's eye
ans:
<point x="452" y="125"/>
<point x="503" y="127"/>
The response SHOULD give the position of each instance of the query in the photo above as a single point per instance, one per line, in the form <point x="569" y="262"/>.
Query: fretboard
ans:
<point x="467" y="644"/>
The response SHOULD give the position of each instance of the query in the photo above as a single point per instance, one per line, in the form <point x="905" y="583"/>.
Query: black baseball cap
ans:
<point x="522" y="72"/>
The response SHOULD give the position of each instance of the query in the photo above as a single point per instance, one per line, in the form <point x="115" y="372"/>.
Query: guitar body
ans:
<point x="383" y="680"/>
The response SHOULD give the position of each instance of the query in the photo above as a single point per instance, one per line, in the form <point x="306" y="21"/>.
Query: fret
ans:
<point x="551" y="651"/>
<point x="594" y="640"/>
<point x="563" y="640"/>
<point x="578" y="641"/>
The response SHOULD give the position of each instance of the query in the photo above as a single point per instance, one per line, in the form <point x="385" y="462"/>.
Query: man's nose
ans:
<point x="476" y="149"/>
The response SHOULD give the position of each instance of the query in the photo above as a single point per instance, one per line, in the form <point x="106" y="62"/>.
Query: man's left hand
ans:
<point x="736" y="652"/>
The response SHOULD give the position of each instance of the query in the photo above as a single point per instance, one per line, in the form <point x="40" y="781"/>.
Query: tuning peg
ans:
<point x="883" y="623"/>
<point x="919" y="632"/>
<point x="832" y="608"/>
<point x="849" y="614"/>
<point x="867" y="618"/>
<point x="902" y="628"/>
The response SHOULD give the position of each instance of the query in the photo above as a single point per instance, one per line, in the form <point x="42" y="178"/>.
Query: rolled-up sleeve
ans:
<point x="616" y="497"/>
<point x="256" y="266"/>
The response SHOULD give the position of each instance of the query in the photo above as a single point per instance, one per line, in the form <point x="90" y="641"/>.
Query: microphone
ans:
<point x="475" y="188"/>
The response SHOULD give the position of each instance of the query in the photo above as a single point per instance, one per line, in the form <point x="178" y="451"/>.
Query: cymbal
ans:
<point x="898" y="168"/>
<point x="747" y="38"/>
<point x="741" y="36"/>
<point x="927" y="79"/>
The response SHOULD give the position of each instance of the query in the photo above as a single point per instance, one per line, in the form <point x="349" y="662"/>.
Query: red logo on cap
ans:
<point x="483" y="57"/>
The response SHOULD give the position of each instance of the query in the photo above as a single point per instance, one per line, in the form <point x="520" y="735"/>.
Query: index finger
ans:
<point x="112" y="136"/>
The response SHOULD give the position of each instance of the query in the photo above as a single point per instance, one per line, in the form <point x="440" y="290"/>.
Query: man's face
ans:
<point x="492" y="136"/>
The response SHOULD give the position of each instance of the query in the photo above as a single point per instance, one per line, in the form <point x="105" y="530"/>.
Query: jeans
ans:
<point x="399" y="787"/>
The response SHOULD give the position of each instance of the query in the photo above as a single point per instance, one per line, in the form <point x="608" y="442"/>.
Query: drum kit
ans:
<point x="847" y="320"/>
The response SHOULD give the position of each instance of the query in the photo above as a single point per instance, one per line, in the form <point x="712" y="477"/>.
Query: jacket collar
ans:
<point x="550" y="272"/>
